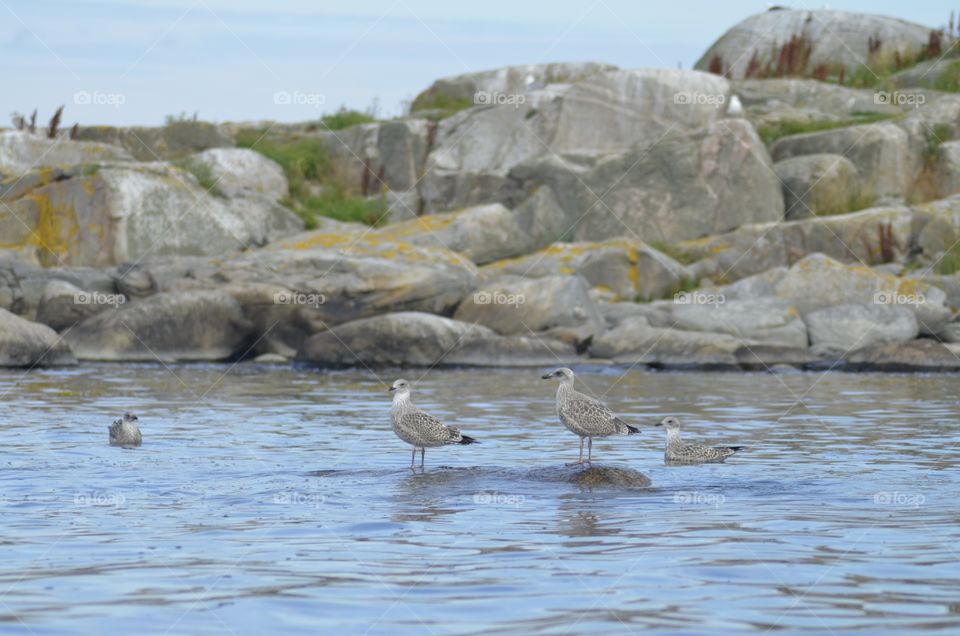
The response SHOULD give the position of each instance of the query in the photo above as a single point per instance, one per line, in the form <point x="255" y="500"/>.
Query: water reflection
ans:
<point x="281" y="502"/>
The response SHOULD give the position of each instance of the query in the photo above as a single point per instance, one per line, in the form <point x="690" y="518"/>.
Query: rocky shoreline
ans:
<point x="665" y="218"/>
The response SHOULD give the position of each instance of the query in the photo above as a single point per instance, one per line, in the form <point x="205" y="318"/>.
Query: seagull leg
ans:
<point x="413" y="458"/>
<point x="579" y="461"/>
<point x="590" y="451"/>
<point x="423" y="452"/>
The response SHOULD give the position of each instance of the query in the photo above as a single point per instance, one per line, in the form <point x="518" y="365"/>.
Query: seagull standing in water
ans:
<point x="125" y="432"/>
<point x="585" y="416"/>
<point x="678" y="452"/>
<point x="419" y="428"/>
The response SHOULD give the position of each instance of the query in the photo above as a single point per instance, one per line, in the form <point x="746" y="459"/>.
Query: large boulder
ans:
<point x="919" y="355"/>
<point x="375" y="157"/>
<point x="21" y="152"/>
<point x="27" y="344"/>
<point x="426" y="340"/>
<point x="487" y="233"/>
<point x="105" y="215"/>
<point x="795" y="42"/>
<point x="176" y="326"/>
<point x="848" y="327"/>
<point x="873" y="236"/>
<point x="176" y="140"/>
<point x="308" y="283"/>
<point x="936" y="227"/>
<point x="626" y="268"/>
<point x="818" y="281"/>
<point x="23" y="285"/>
<point x="818" y="184"/>
<point x="64" y="305"/>
<point x="635" y="341"/>
<point x="685" y="186"/>
<point x="476" y="149"/>
<point x="768" y="321"/>
<point x="242" y="172"/>
<point x="516" y="305"/>
<point x="482" y="87"/>
<point x="881" y="153"/>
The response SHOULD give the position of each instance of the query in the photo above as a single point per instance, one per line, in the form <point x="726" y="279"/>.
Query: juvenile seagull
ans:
<point x="419" y="428"/>
<point x="125" y="432"/>
<point x="585" y="416"/>
<point x="677" y="451"/>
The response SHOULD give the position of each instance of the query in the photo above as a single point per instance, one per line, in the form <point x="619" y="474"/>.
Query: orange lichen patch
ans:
<point x="318" y="240"/>
<point x="55" y="231"/>
<point x="419" y="225"/>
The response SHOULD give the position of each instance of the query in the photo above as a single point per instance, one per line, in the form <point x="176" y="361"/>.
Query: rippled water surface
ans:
<point x="275" y="500"/>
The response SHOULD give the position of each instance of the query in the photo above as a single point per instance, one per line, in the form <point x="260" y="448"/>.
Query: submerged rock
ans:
<point x="593" y="476"/>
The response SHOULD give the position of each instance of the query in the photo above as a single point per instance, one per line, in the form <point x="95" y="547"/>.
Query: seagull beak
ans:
<point x="546" y="377"/>
<point x="659" y="424"/>
<point x="392" y="389"/>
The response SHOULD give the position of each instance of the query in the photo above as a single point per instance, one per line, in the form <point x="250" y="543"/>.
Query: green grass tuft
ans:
<point x="315" y="189"/>
<point x="950" y="263"/>
<point x="203" y="175"/>
<point x="771" y="132"/>
<point x="344" y="118"/>
<point x="444" y="104"/>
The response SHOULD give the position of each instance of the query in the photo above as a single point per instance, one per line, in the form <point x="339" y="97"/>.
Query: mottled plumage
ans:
<point x="678" y="452"/>
<point x="585" y="416"/>
<point x="417" y="427"/>
<point x="125" y="432"/>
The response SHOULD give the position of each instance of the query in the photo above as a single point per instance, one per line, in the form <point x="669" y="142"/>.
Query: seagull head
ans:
<point x="400" y="385"/>
<point x="670" y="423"/>
<point x="130" y="417"/>
<point x="563" y="374"/>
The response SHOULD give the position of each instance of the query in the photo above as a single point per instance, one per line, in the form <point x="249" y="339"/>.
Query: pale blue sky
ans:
<point x="227" y="58"/>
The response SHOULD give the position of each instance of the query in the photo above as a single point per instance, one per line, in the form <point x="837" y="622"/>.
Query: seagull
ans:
<point x="125" y="432"/>
<point x="736" y="107"/>
<point x="419" y="428"/>
<point x="677" y="451"/>
<point x="585" y="416"/>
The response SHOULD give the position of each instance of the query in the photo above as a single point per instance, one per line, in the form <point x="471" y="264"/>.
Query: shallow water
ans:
<point x="275" y="500"/>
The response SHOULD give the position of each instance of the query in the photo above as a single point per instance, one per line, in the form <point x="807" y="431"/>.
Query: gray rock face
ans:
<point x="806" y="100"/>
<point x="872" y="236"/>
<point x="243" y="172"/>
<point x="21" y="152"/>
<point x="487" y="233"/>
<point x="513" y="305"/>
<point x="628" y="269"/>
<point x="726" y="174"/>
<point x="27" y="344"/>
<point x="510" y="80"/>
<point x="817" y="281"/>
<point x="378" y="156"/>
<point x="419" y="339"/>
<point x="835" y="37"/>
<point x="919" y="355"/>
<point x="848" y="327"/>
<point x="936" y="226"/>
<point x="948" y="168"/>
<point x="604" y="113"/>
<point x="174" y="141"/>
<point x="64" y="305"/>
<point x="769" y="321"/>
<point x="881" y="153"/>
<point x="175" y="326"/>
<point x="818" y="184"/>
<point x="636" y="342"/>
<point x="125" y="212"/>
